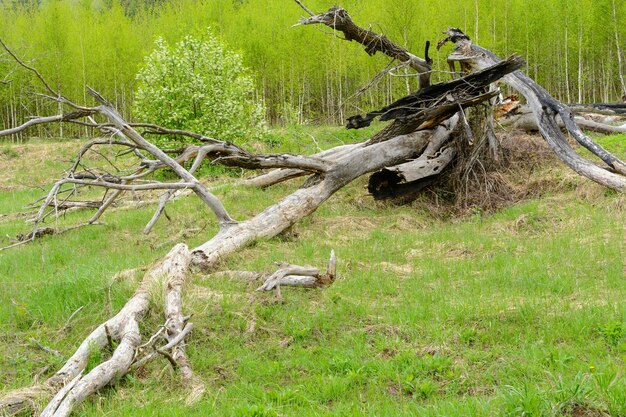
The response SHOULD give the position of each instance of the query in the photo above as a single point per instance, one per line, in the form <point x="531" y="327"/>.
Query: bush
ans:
<point x="201" y="86"/>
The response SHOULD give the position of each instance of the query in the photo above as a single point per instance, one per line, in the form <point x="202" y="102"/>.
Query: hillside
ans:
<point x="518" y="311"/>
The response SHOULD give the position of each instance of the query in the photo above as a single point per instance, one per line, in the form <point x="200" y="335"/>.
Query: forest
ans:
<point x="574" y="48"/>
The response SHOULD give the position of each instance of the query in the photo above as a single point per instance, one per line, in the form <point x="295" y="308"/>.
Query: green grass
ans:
<point x="519" y="312"/>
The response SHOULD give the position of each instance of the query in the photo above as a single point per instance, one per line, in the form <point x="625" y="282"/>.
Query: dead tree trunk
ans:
<point x="525" y="119"/>
<point x="545" y="109"/>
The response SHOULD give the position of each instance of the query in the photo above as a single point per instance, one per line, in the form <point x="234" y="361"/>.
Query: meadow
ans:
<point x="517" y="311"/>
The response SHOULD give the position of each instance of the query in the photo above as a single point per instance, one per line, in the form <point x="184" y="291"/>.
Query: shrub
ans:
<point x="201" y="86"/>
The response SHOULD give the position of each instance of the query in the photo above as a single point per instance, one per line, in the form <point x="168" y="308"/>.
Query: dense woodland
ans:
<point x="574" y="48"/>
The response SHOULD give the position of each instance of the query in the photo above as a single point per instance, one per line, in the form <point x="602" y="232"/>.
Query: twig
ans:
<point x="23" y="242"/>
<point x="47" y="349"/>
<point x="67" y="323"/>
<point x="305" y="8"/>
<point x="153" y="338"/>
<point x="178" y="339"/>
<point x="28" y="67"/>
<point x="169" y="358"/>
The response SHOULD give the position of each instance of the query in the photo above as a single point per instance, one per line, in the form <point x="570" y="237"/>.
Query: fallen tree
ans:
<point x="429" y="129"/>
<point x="514" y="114"/>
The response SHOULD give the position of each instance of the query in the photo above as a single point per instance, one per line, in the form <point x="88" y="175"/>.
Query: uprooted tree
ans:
<point x="421" y="141"/>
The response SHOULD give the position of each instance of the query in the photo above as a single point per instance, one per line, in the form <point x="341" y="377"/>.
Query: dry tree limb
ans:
<point x="127" y="131"/>
<point x="46" y="348"/>
<point x="290" y="275"/>
<point x="406" y="180"/>
<point x="29" y="68"/>
<point x="231" y="155"/>
<point x="301" y="276"/>
<point x="66" y="117"/>
<point x="338" y="19"/>
<point x="177" y="327"/>
<point x="123" y="327"/>
<point x="432" y="105"/>
<point x="304" y="201"/>
<point x="68" y="386"/>
<point x="522" y="117"/>
<point x="599" y="108"/>
<point x="69" y="205"/>
<point x="287" y="274"/>
<point x="280" y="175"/>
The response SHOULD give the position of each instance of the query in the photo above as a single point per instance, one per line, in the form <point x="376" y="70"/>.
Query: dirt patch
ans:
<point x="387" y="353"/>
<point x="583" y="410"/>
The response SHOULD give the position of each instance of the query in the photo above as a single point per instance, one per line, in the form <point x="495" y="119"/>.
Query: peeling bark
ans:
<point x="338" y="19"/>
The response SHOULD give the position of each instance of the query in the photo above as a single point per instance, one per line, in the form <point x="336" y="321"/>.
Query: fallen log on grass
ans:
<point x="522" y="117"/>
<point x="413" y="148"/>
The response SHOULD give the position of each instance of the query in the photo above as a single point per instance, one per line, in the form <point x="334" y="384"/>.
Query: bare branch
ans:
<point x="339" y="19"/>
<point x="304" y="7"/>
<point x="32" y="69"/>
<point x="47" y="120"/>
<point x="209" y="199"/>
<point x="546" y="109"/>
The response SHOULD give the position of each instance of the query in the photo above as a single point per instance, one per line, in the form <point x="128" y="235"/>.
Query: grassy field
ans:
<point x="516" y="312"/>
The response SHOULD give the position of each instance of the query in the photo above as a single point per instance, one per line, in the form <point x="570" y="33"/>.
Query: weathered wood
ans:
<point x="69" y="205"/>
<point x="601" y="108"/>
<point x="403" y="182"/>
<point x="523" y="118"/>
<point x="280" y="175"/>
<point x="338" y="19"/>
<point x="177" y="324"/>
<point x="546" y="108"/>
<point x="304" y="201"/>
<point x="295" y="275"/>
<point x="127" y="131"/>
<point x="121" y="327"/>
<point x="470" y="86"/>
<point x="399" y="143"/>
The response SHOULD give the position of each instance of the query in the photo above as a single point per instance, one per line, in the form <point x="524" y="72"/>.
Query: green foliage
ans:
<point x="303" y="74"/>
<point x="200" y="86"/>
<point x="613" y="332"/>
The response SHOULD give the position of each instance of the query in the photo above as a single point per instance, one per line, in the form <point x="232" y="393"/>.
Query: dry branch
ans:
<point x="522" y="117"/>
<point x="300" y="276"/>
<point x="424" y="104"/>
<point x="338" y="19"/>
<point x="123" y="327"/>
